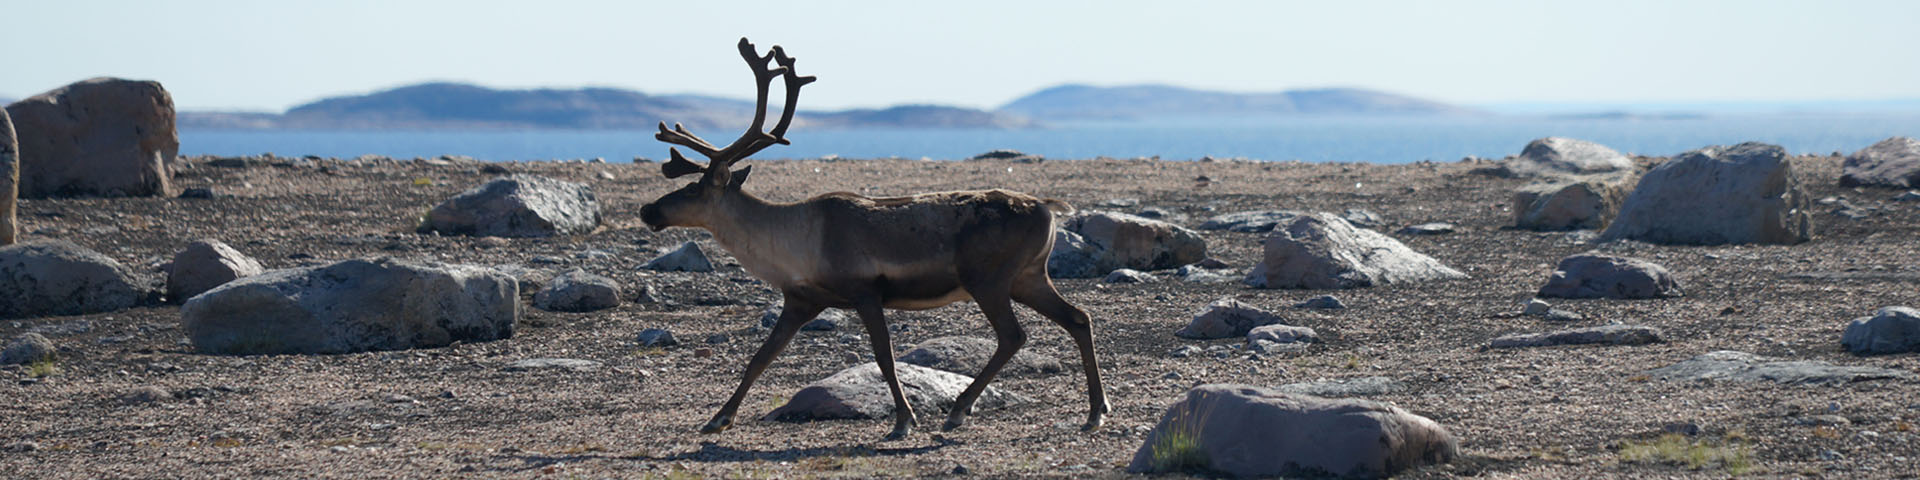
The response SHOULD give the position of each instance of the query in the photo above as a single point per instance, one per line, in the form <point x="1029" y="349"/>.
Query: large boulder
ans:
<point x="1247" y="431"/>
<point x="1227" y="318"/>
<point x="1606" y="276"/>
<point x="1747" y="193"/>
<point x="967" y="355"/>
<point x="861" y="393"/>
<point x="28" y="348"/>
<point x="1555" y="157"/>
<point x="1323" y="251"/>
<point x="1890" y="330"/>
<point x="59" y="278"/>
<point x="578" y="291"/>
<point x="517" y="206"/>
<point x="205" y="264"/>
<point x="1578" y="205"/>
<point x="352" y="306"/>
<point x="1101" y="242"/>
<point x="9" y="180"/>
<point x="1894" y="162"/>
<point x="102" y="136"/>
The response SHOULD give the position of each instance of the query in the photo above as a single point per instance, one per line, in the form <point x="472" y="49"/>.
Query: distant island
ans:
<point x="1144" y="101"/>
<point x="445" y="105"/>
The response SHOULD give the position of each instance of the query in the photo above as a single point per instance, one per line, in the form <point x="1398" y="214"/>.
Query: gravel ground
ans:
<point x="1558" y="412"/>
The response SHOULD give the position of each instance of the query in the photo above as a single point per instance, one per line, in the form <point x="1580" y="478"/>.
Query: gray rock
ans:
<point x="1186" y="351"/>
<point x="967" y="355"/>
<point x="146" y="394"/>
<point x="1577" y="205"/>
<point x="517" y="206"/>
<point x="828" y="320"/>
<point x="57" y="277"/>
<point x="1109" y="241"/>
<point x="1909" y="196"/>
<point x="1197" y="274"/>
<point x="1363" y="218"/>
<point x="27" y="348"/>
<point x="9" y="181"/>
<point x="1747" y="193"/>
<point x="1322" y="251"/>
<point x="1282" y="334"/>
<point x="578" y="291"/>
<point x="1604" y="334"/>
<point x="1728" y="365"/>
<point x="860" y="393"/>
<point x="1890" y="330"/>
<point x="97" y="137"/>
<point x="205" y="264"/>
<point x="1258" y="221"/>
<point x="1072" y="257"/>
<point x="1536" y="307"/>
<point x="1128" y="275"/>
<point x="656" y="337"/>
<point x="533" y="364"/>
<point x="1247" y="431"/>
<point x="1434" y="228"/>
<point x="1327" y="302"/>
<point x="1346" y="387"/>
<point x="1274" y="348"/>
<point x="1556" y="157"/>
<point x="1606" y="276"/>
<point x="687" y="258"/>
<point x="1558" y="315"/>
<point x="1894" y="162"/>
<point x="1226" y="318"/>
<point x="353" y="306"/>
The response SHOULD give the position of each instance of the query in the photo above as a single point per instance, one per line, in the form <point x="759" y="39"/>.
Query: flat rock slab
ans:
<point x="533" y="364"/>
<point x="861" y="393"/>
<point x="57" y="277"/>
<point x="1247" y="431"/>
<point x="1735" y="366"/>
<point x="1346" y="387"/>
<point x="1607" y="276"/>
<point x="1604" y="334"/>
<point x="353" y="306"/>
<point x="1258" y="221"/>
<point x="1890" y="330"/>
<point x="967" y="355"/>
<point x="1323" y="251"/>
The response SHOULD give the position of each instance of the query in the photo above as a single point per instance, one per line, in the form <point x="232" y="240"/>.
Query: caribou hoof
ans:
<point x="718" y="425"/>
<point x="952" y="424"/>
<point x="1093" y="423"/>
<point x="899" y="432"/>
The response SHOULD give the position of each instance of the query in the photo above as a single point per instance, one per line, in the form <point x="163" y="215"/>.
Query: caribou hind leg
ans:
<point x="794" y="314"/>
<point x="1037" y="292"/>
<point x="998" y="307"/>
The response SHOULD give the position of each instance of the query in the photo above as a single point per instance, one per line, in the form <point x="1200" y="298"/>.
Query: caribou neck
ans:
<point x="764" y="236"/>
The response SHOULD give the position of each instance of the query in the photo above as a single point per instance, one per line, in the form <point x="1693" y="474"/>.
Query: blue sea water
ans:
<point x="1312" y="139"/>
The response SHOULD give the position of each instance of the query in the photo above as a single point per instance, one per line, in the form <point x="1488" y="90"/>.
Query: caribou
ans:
<point x="847" y="251"/>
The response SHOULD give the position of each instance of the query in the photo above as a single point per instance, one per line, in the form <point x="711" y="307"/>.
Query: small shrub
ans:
<point x="42" y="368"/>
<point x="1729" y="454"/>
<point x="1177" y="448"/>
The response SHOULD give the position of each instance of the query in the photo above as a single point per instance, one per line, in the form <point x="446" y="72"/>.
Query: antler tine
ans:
<point x="793" y="82"/>
<point x="755" y="137"/>
<point x="680" y="136"/>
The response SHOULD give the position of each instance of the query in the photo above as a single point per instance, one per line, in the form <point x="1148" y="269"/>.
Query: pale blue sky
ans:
<point x="269" y="55"/>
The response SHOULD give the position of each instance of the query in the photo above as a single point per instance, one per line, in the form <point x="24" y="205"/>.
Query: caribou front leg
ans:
<point x="876" y="322"/>
<point x="792" y="316"/>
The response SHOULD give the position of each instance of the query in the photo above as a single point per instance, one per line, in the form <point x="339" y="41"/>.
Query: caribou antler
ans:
<point x="719" y="160"/>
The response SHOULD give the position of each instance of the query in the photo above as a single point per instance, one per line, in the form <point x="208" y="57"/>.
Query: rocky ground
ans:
<point x="129" y="397"/>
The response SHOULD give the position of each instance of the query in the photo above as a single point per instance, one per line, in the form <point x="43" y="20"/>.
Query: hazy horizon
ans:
<point x="231" y="55"/>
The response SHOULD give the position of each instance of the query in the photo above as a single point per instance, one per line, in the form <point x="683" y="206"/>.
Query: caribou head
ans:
<point x="694" y="204"/>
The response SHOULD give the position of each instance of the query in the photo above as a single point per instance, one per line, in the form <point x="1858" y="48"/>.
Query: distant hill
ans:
<point x="1139" y="101"/>
<point x="455" y="105"/>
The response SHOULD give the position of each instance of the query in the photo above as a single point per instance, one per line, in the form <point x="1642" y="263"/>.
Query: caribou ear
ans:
<point x="739" y="177"/>
<point x="679" y="165"/>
